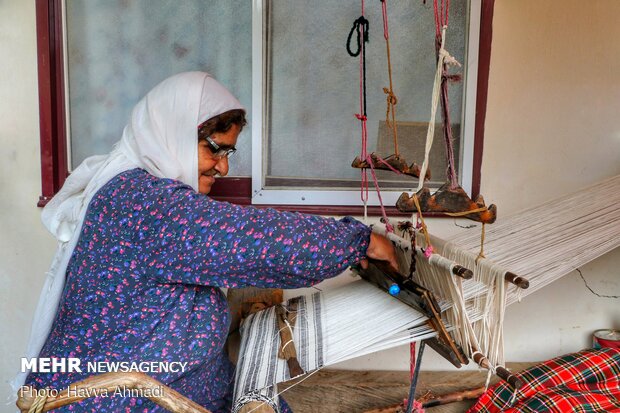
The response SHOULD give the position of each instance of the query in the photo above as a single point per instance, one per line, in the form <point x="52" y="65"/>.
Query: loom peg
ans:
<point x="516" y="280"/>
<point x="462" y="272"/>
<point x="500" y="371"/>
<point x="508" y="377"/>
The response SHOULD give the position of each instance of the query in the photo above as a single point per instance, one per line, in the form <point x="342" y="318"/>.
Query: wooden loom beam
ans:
<point x="418" y="297"/>
<point x="449" y="201"/>
<point x="395" y="162"/>
<point x="457" y="269"/>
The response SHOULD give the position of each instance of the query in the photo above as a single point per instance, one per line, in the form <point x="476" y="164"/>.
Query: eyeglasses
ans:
<point x="217" y="151"/>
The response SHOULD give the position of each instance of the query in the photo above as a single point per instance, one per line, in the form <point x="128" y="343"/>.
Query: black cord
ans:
<point x="591" y="290"/>
<point x="361" y="26"/>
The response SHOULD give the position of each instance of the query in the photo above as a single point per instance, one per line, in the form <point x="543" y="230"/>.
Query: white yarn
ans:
<point x="362" y="319"/>
<point x="546" y="242"/>
<point x="540" y="244"/>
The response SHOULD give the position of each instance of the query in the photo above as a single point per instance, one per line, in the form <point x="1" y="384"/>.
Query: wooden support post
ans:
<point x="414" y="379"/>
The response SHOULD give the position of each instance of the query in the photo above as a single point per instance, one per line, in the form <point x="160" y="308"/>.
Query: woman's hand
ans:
<point x="380" y="249"/>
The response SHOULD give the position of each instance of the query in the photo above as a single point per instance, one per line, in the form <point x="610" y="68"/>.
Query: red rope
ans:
<point x="364" y="190"/>
<point x="386" y="31"/>
<point x="388" y="226"/>
<point x="380" y="159"/>
<point x="442" y="13"/>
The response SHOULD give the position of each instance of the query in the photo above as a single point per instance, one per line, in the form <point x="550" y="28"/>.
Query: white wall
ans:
<point x="552" y="126"/>
<point x="25" y="247"/>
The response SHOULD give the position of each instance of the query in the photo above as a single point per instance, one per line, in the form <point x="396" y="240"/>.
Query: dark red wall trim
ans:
<point x="239" y="191"/>
<point x="51" y="98"/>
<point x="484" y="65"/>
<point x="54" y="168"/>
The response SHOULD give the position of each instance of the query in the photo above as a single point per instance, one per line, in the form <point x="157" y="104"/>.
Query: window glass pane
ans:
<point x="314" y="85"/>
<point x="119" y="49"/>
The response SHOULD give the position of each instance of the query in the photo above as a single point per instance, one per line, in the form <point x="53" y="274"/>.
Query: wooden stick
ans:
<point x="435" y="400"/>
<point x="109" y="383"/>
<point x="500" y="371"/>
<point x="453" y="397"/>
<point x="516" y="280"/>
<point x="287" y="346"/>
<point x="462" y="272"/>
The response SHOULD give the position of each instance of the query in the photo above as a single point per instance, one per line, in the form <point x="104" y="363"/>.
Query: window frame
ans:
<point x="239" y="190"/>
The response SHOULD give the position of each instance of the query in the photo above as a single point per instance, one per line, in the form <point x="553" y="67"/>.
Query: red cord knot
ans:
<point x="428" y="251"/>
<point x="417" y="407"/>
<point x="361" y="117"/>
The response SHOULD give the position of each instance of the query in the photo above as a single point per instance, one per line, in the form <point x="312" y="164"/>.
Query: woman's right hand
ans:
<point x="381" y="249"/>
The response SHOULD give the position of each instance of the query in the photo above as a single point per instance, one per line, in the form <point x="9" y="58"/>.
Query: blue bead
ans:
<point x="394" y="289"/>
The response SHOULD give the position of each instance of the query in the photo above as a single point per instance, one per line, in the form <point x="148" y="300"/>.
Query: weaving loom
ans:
<point x="540" y="244"/>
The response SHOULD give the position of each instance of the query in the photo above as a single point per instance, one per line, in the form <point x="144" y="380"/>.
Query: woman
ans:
<point x="145" y="252"/>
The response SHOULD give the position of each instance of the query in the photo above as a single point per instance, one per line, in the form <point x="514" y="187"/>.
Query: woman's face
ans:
<point x="208" y="164"/>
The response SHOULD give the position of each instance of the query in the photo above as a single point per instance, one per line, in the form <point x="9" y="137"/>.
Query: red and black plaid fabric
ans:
<point x="588" y="381"/>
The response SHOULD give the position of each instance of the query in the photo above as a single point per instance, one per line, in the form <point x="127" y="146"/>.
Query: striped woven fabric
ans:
<point x="587" y="381"/>
<point x="259" y="368"/>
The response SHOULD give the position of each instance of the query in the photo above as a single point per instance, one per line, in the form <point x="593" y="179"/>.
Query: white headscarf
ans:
<point x="162" y="138"/>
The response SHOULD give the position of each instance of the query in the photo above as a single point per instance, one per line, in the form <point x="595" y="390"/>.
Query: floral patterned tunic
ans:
<point x="143" y="283"/>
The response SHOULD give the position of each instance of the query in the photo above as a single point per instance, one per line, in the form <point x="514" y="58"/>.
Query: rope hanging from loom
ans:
<point x="443" y="59"/>
<point x="391" y="99"/>
<point x="440" y="90"/>
<point x="361" y="28"/>
<point x="441" y="22"/>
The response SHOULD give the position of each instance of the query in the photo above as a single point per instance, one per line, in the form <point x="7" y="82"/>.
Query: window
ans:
<point x="97" y="58"/>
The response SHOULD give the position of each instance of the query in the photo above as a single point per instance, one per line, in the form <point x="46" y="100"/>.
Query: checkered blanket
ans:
<point x="587" y="381"/>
